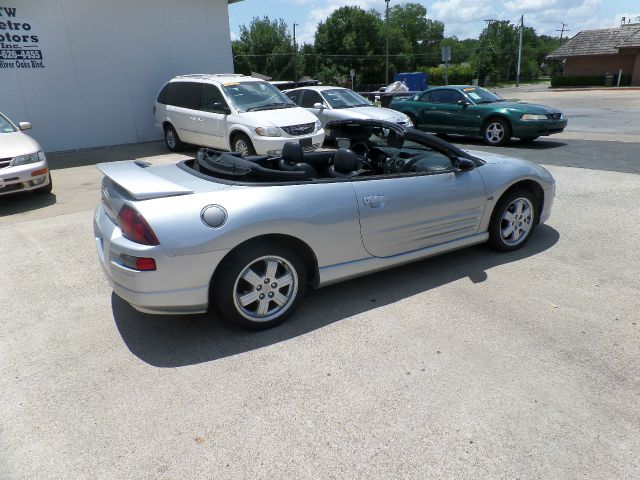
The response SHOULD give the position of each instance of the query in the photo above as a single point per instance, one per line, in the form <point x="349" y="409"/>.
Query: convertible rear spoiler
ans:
<point x="139" y="181"/>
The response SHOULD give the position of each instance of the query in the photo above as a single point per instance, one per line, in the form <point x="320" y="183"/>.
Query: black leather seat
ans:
<point x="292" y="160"/>
<point x="346" y="163"/>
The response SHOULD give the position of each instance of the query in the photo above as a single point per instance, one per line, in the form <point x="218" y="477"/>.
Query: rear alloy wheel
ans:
<point x="242" y="144"/>
<point x="172" y="140"/>
<point x="513" y="220"/>
<point x="260" y="287"/>
<point x="496" y="132"/>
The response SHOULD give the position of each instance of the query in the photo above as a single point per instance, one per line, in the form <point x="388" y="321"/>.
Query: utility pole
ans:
<point x="561" y="34"/>
<point x="519" y="50"/>
<point x="563" y="30"/>
<point x="386" y="51"/>
<point x="295" y="56"/>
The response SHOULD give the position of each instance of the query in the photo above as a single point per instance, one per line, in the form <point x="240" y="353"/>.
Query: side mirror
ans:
<point x="24" y="125"/>
<point x="462" y="164"/>
<point x="463" y="103"/>
<point x="219" y="107"/>
<point x="319" y="106"/>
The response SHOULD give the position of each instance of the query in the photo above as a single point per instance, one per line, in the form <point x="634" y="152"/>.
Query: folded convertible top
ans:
<point x="233" y="166"/>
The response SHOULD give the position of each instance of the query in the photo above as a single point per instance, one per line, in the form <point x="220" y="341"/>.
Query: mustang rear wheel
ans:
<point x="513" y="220"/>
<point x="261" y="286"/>
<point x="496" y="132"/>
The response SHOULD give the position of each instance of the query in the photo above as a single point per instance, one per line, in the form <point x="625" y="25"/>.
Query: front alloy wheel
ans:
<point x="517" y="221"/>
<point x="242" y="144"/>
<point x="513" y="220"/>
<point x="496" y="132"/>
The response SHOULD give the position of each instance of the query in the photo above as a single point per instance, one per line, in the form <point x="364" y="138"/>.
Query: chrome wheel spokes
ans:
<point x="265" y="288"/>
<point x="495" y="132"/>
<point x="517" y="221"/>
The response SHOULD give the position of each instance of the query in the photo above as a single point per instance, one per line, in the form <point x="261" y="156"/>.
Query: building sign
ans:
<point x="19" y="42"/>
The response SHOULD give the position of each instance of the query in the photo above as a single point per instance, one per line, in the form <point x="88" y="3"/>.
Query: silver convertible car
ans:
<point x="248" y="235"/>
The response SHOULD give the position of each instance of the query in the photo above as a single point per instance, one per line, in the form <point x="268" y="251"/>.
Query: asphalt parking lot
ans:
<point x="472" y="365"/>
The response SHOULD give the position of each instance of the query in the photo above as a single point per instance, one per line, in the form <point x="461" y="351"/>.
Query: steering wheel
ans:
<point x="362" y="150"/>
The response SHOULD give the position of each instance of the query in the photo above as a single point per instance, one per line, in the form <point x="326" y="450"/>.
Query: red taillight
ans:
<point x="138" y="263"/>
<point x="135" y="227"/>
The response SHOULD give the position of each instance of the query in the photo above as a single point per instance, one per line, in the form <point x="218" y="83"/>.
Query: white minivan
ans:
<point x="232" y="112"/>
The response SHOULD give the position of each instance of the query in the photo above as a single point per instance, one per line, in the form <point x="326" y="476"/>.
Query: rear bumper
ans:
<point x="21" y="178"/>
<point x="538" y="128"/>
<point x="179" y="285"/>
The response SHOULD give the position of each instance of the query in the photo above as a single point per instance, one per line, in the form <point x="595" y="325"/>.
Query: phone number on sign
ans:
<point x="20" y="55"/>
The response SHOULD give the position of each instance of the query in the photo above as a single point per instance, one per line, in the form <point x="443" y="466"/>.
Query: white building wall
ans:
<point x="103" y="64"/>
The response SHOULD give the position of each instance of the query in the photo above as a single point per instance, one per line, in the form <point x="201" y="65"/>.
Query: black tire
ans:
<point x="241" y="143"/>
<point x="46" y="190"/>
<point x="414" y="120"/>
<point x="499" y="225"/>
<point x="172" y="140"/>
<point x="229" y="286"/>
<point x="496" y="131"/>
<point x="528" y="139"/>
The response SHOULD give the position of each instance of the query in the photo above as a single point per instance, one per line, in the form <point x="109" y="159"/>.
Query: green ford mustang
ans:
<point x="469" y="110"/>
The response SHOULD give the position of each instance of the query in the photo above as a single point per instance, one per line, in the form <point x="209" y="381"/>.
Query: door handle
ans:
<point x="375" y="201"/>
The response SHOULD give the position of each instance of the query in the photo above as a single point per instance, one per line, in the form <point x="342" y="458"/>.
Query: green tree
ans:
<point x="413" y="36"/>
<point x="265" y="46"/>
<point x="347" y="39"/>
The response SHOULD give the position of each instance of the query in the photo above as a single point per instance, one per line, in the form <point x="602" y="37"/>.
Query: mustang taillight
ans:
<point x="135" y="227"/>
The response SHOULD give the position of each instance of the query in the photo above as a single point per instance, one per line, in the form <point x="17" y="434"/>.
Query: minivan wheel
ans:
<point x="172" y="140"/>
<point x="242" y="144"/>
<point x="513" y="220"/>
<point x="261" y="286"/>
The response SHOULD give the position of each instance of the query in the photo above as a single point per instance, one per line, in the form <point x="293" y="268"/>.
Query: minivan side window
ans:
<point x="166" y="94"/>
<point x="212" y="100"/>
<point x="187" y="95"/>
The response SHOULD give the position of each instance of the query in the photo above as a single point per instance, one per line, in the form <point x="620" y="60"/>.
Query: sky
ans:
<point x="462" y="18"/>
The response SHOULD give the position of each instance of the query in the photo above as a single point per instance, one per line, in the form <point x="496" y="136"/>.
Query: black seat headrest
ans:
<point x="292" y="152"/>
<point x="346" y="161"/>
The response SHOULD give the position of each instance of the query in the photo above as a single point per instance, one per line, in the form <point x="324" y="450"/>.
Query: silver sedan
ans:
<point x="249" y="235"/>
<point x="337" y="103"/>
<point x="23" y="164"/>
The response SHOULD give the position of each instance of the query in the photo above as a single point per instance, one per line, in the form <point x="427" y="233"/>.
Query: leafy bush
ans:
<point x="588" y="81"/>
<point x="458" y="74"/>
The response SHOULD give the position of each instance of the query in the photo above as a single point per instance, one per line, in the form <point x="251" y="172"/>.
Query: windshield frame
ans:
<point x="266" y="103"/>
<point x="348" y="92"/>
<point x="481" y="92"/>
<point x="9" y="123"/>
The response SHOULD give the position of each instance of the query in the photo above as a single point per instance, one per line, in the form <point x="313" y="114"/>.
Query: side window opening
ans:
<point x="211" y="99"/>
<point x="310" y="98"/>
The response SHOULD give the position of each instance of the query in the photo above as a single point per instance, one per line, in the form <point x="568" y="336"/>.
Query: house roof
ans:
<point x="605" y="41"/>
